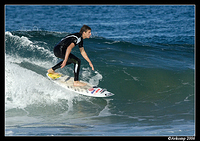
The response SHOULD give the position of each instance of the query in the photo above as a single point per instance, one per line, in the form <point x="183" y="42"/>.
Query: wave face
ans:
<point x="145" y="55"/>
<point x="149" y="89"/>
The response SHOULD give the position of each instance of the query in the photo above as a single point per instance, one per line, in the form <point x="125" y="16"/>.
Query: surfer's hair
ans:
<point x="84" y="28"/>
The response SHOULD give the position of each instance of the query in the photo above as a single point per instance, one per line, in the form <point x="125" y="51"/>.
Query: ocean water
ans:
<point x="144" y="54"/>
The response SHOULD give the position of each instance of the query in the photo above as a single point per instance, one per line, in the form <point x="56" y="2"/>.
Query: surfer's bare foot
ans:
<point x="51" y="71"/>
<point x="79" y="84"/>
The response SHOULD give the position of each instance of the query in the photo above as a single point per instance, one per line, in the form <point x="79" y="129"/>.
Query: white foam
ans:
<point x="106" y="110"/>
<point x="24" y="87"/>
<point x="95" y="79"/>
<point x="88" y="76"/>
<point x="24" y="42"/>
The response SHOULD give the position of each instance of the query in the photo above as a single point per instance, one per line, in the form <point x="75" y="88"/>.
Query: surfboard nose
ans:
<point x="109" y="94"/>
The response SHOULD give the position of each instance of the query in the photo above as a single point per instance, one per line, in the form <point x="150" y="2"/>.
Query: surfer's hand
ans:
<point x="63" y="64"/>
<point x="91" y="65"/>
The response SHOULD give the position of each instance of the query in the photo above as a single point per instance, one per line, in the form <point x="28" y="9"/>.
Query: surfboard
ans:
<point x="68" y="83"/>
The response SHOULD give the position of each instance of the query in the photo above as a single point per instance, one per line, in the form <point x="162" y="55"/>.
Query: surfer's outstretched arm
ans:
<point x="84" y="54"/>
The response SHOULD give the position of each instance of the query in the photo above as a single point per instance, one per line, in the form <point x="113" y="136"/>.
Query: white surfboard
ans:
<point x="88" y="90"/>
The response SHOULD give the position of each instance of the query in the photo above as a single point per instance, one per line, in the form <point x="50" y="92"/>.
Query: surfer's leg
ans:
<point x="57" y="66"/>
<point x="52" y="70"/>
<point x="58" y="53"/>
<point x="77" y="63"/>
<point x="72" y="59"/>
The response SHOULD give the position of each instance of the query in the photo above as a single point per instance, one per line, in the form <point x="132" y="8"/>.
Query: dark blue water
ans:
<point x="145" y="55"/>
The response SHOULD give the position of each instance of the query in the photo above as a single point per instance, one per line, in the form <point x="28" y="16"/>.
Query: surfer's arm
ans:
<point x="68" y="51"/>
<point x="84" y="54"/>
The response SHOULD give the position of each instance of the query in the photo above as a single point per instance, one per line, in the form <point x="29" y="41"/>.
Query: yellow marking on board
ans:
<point x="54" y="76"/>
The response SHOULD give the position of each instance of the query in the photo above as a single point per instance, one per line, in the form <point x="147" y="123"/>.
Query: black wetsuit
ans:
<point x="60" y="50"/>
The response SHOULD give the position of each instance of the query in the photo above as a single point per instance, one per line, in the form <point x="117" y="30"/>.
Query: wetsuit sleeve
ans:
<point x="80" y="44"/>
<point x="74" y="40"/>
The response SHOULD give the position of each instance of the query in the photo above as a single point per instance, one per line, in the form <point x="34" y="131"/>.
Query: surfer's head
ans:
<point x="85" y="31"/>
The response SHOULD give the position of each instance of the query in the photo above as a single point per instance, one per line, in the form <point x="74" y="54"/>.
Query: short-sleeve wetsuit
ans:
<point x="60" y="50"/>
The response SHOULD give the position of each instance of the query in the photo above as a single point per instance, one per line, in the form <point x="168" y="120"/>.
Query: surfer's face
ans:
<point x="87" y="34"/>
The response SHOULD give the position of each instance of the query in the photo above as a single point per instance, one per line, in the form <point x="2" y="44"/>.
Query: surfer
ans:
<point x="63" y="50"/>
